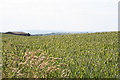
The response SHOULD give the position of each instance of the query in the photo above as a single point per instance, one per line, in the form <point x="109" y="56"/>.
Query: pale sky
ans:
<point x="59" y="15"/>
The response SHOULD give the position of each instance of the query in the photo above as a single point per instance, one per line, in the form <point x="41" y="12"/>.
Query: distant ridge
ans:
<point x="18" y="33"/>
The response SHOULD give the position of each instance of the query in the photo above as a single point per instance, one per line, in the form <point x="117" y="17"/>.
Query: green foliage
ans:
<point x="87" y="55"/>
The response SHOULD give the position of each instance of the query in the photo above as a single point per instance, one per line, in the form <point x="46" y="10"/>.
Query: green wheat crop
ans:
<point x="89" y="55"/>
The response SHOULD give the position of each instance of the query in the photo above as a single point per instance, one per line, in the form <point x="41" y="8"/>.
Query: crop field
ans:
<point x="89" y="55"/>
<point x="0" y="56"/>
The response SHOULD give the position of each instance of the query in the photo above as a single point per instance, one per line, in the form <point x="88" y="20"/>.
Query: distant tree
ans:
<point x="28" y="34"/>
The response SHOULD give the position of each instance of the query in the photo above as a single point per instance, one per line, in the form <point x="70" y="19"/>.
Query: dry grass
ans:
<point x="39" y="65"/>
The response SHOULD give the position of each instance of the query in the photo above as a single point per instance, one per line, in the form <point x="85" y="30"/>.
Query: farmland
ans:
<point x="86" y="55"/>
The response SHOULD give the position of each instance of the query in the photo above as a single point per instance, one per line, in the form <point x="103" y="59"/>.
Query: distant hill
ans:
<point x="47" y="34"/>
<point x="18" y="33"/>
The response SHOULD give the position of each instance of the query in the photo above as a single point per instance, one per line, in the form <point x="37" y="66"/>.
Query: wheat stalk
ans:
<point x="39" y="65"/>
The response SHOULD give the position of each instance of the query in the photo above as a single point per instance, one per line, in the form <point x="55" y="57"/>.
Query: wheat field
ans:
<point x="88" y="55"/>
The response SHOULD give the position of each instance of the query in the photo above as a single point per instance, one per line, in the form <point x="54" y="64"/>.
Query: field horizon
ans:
<point x="88" y="55"/>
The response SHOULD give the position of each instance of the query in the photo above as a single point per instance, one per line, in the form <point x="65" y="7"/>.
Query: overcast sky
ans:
<point x="59" y="15"/>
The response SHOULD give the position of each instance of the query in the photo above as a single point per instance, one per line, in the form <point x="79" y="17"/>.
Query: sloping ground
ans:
<point x="0" y="65"/>
<point x="87" y="55"/>
<point x="0" y="56"/>
<point x="0" y="71"/>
